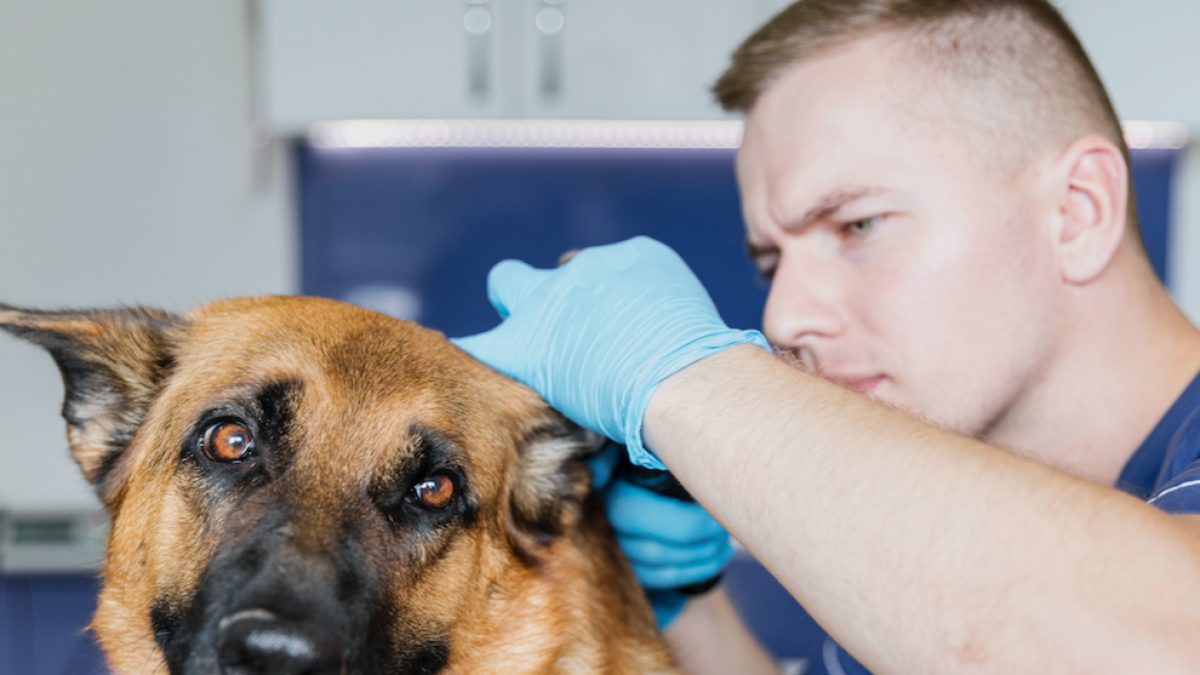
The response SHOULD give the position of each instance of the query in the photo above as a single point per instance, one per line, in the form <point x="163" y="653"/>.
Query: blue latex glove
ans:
<point x="596" y="336"/>
<point x="669" y="543"/>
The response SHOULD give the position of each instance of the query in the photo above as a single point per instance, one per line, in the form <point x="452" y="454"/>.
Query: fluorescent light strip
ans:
<point x="726" y="134"/>
<point x="526" y="134"/>
<point x="1144" y="135"/>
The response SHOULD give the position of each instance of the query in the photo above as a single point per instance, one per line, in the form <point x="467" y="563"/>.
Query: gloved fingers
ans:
<point x="635" y="511"/>
<point x="511" y="282"/>
<point x="641" y="251"/>
<point x="674" y="576"/>
<point x="624" y="254"/>
<point x="656" y="553"/>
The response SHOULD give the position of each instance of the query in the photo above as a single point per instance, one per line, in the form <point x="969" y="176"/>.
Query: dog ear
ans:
<point x="113" y="363"/>
<point x="552" y="480"/>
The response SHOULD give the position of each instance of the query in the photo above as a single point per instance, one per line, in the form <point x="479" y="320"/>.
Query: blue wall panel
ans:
<point x="434" y="221"/>
<point x="6" y="643"/>
<point x="43" y="621"/>
<point x="1153" y="184"/>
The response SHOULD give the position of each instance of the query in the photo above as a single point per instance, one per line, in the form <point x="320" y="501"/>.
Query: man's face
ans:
<point x="901" y="265"/>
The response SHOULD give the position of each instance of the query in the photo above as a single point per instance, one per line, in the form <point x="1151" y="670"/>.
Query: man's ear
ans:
<point x="1091" y="181"/>
<point x="550" y="482"/>
<point x="113" y="364"/>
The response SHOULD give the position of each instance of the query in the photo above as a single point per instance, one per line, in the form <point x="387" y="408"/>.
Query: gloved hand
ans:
<point x="596" y="336"/>
<point x="669" y="543"/>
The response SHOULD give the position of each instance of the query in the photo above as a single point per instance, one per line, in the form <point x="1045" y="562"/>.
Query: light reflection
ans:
<point x="1157" y="135"/>
<point x="663" y="134"/>
<point x="717" y="134"/>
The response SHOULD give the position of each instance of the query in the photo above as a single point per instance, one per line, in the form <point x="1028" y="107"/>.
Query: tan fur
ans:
<point x="510" y="600"/>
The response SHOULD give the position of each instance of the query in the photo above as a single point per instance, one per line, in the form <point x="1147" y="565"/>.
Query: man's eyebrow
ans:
<point x="829" y="204"/>
<point x="756" y="251"/>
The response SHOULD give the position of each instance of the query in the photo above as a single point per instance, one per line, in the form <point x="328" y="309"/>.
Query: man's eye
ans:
<point x="766" y="264"/>
<point x="860" y="227"/>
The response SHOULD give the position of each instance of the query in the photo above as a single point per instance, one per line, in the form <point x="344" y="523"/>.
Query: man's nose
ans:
<point x="802" y="306"/>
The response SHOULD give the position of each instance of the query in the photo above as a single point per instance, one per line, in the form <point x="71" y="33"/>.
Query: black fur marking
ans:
<point x="334" y="593"/>
<point x="434" y="453"/>
<point x="350" y="582"/>
<point x="269" y="412"/>
<point x="276" y="405"/>
<point x="429" y="659"/>
<point x="164" y="620"/>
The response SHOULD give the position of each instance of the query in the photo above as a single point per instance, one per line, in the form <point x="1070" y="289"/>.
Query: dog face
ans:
<point x="302" y="486"/>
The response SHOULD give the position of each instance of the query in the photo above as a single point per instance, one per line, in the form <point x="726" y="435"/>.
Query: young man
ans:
<point x="940" y="193"/>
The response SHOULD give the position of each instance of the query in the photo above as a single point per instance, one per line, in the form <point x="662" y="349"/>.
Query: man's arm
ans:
<point x="919" y="550"/>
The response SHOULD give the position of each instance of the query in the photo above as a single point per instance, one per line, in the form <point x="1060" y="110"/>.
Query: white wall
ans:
<point x="1147" y="54"/>
<point x="126" y="176"/>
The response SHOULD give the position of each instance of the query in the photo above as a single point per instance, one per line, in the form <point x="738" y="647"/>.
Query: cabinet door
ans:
<point x="352" y="59"/>
<point x="630" y="59"/>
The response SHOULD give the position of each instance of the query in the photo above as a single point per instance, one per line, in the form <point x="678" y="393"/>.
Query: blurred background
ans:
<point x="388" y="152"/>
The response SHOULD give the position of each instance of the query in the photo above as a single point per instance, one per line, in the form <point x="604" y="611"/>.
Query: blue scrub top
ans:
<point x="1165" y="472"/>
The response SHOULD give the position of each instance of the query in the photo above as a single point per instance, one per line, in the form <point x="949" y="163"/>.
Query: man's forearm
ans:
<point x="922" y="551"/>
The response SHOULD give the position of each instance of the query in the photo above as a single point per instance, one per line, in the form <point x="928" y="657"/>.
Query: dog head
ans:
<point x="302" y="486"/>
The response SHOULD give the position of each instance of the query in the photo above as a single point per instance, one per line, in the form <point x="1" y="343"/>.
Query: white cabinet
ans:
<point x="631" y="59"/>
<point x="480" y="59"/>
<point x="340" y="59"/>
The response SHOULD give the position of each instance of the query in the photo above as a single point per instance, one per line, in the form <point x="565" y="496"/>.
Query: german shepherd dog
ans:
<point x="303" y="487"/>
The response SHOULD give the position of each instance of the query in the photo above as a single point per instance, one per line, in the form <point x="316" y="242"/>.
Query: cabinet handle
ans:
<point x="477" y="21"/>
<point x="550" y="22"/>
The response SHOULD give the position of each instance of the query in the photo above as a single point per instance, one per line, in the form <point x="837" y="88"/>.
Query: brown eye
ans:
<point x="228" y="442"/>
<point x="435" y="492"/>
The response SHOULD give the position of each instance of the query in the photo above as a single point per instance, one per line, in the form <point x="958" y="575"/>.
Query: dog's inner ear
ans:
<point x="552" y="479"/>
<point x="113" y="364"/>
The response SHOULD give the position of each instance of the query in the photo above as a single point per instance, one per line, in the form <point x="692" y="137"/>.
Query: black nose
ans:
<point x="256" y="642"/>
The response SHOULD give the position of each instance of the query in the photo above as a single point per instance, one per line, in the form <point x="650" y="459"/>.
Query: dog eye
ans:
<point x="434" y="492"/>
<point x="227" y="442"/>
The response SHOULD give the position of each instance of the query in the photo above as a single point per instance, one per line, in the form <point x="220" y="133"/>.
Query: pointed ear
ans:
<point x="551" y="481"/>
<point x="113" y="364"/>
<point x="1093" y="184"/>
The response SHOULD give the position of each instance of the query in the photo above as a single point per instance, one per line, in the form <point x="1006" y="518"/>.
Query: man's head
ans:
<point x="1008" y="75"/>
<point x="932" y="184"/>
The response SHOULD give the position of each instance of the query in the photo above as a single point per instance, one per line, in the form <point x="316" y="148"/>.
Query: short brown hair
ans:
<point x="1017" y="62"/>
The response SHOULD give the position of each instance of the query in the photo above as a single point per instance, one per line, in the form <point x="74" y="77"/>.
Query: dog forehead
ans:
<point x="347" y="339"/>
<point x="316" y="322"/>
<point x="348" y="349"/>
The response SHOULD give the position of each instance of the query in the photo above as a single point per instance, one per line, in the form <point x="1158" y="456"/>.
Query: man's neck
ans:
<point x="1127" y="353"/>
